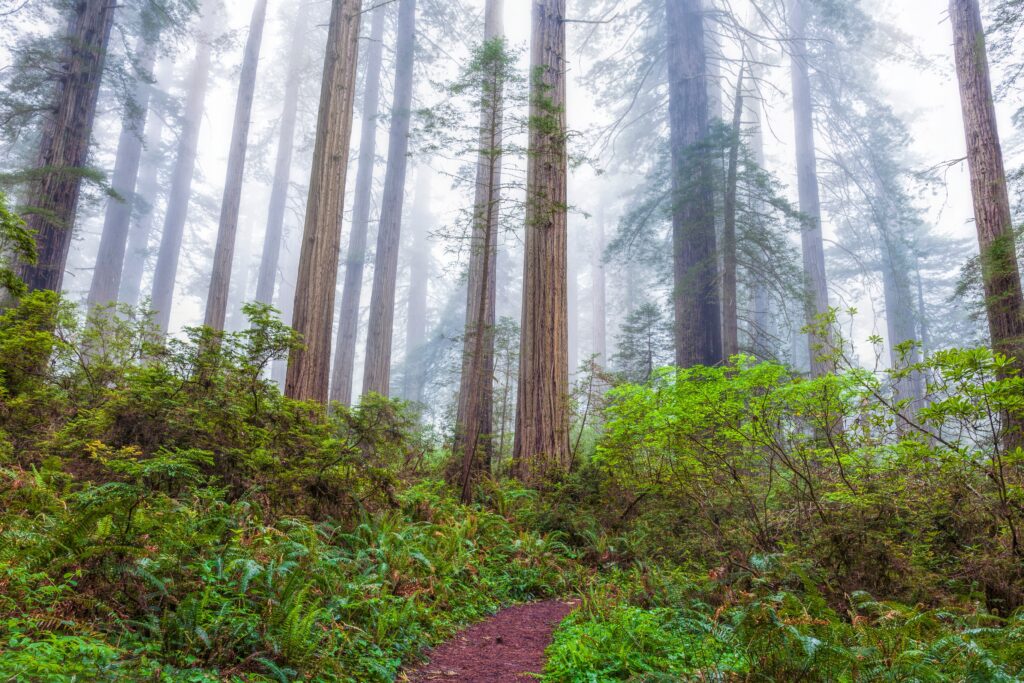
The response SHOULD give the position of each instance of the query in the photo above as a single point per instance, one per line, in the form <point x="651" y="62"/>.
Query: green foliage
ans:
<point x="16" y="246"/>
<point x="658" y="624"/>
<point x="165" y="513"/>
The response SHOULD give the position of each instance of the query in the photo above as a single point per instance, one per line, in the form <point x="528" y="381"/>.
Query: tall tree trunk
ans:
<point x="355" y="259"/>
<point x="599" y="314"/>
<point x="377" y="369"/>
<point x="573" y="301"/>
<point x="224" y="252"/>
<point x="730" y="308"/>
<point x="698" y="326"/>
<point x="64" y="146"/>
<point x="106" y="278"/>
<point x="315" y="285"/>
<point x="474" y="417"/>
<point x="899" y="314"/>
<point x="270" y="261"/>
<point x="147" y="190"/>
<point x="180" y="194"/>
<point x="1000" y="272"/>
<point x="541" y="447"/>
<point x="761" y="325"/>
<point x="816" y="303"/>
<point x="419" y="277"/>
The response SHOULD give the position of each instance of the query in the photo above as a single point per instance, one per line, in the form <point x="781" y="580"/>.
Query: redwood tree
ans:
<point x="223" y="255"/>
<point x="309" y="365"/>
<point x="355" y="257"/>
<point x="1000" y="272"/>
<point x="474" y="421"/>
<point x="541" y="447"/>
<point x="807" y="184"/>
<point x="52" y="198"/>
<point x="283" y="164"/>
<point x="380" y="328"/>
<point x="698" y="327"/>
<point x="180" y="193"/>
<point x="106" y="277"/>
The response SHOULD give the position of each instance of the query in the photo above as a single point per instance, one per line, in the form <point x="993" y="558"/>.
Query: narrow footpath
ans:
<point x="507" y="648"/>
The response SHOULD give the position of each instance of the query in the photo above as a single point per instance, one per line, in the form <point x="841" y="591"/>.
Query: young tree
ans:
<point x="180" y="193"/>
<point x="309" y="365"/>
<point x="643" y="343"/>
<point x="1000" y="272"/>
<point x="106" y="277"/>
<point x="271" y="258"/>
<point x="541" y="445"/>
<point x="223" y="255"/>
<point x="64" y="144"/>
<point x="355" y="257"/>
<point x="474" y="418"/>
<point x="807" y="185"/>
<point x="698" y="327"/>
<point x="377" y="368"/>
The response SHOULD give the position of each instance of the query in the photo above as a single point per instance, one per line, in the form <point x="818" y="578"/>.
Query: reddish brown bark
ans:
<point x="541" y="447"/>
<point x="474" y="418"/>
<point x="355" y="257"/>
<point x="1000" y="271"/>
<point x="64" y="146"/>
<point x="309" y="366"/>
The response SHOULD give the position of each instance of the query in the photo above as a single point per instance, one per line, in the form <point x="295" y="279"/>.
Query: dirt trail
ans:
<point x="506" y="648"/>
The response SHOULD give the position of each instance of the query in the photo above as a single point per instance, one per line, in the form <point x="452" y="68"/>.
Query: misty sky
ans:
<point x="927" y="99"/>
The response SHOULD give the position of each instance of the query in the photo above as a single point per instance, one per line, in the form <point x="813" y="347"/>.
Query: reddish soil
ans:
<point x="506" y="648"/>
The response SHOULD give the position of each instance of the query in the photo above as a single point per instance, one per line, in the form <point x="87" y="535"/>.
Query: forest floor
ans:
<point x="507" y="648"/>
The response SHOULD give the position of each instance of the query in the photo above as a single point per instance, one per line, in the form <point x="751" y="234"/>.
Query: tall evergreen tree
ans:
<point x="64" y="144"/>
<point x="380" y="328"/>
<point x="355" y="256"/>
<point x="223" y="255"/>
<point x="541" y="447"/>
<point x="309" y="366"/>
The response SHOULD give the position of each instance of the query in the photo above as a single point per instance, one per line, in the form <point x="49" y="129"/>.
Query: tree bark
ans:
<point x="380" y="328"/>
<point x="1000" y="271"/>
<point x="148" y="190"/>
<point x="900" y="319"/>
<point x="474" y="417"/>
<point x="52" y="199"/>
<point x="573" y="302"/>
<point x="541" y="447"/>
<point x="315" y="285"/>
<point x="698" y="326"/>
<point x="270" y="261"/>
<point x="813" y="248"/>
<point x="180" y="194"/>
<point x="355" y="259"/>
<point x="730" y="308"/>
<point x="598" y="296"/>
<point x="106" y="277"/>
<point x="224" y="252"/>
<point x="761" y="324"/>
<point x="419" y="278"/>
